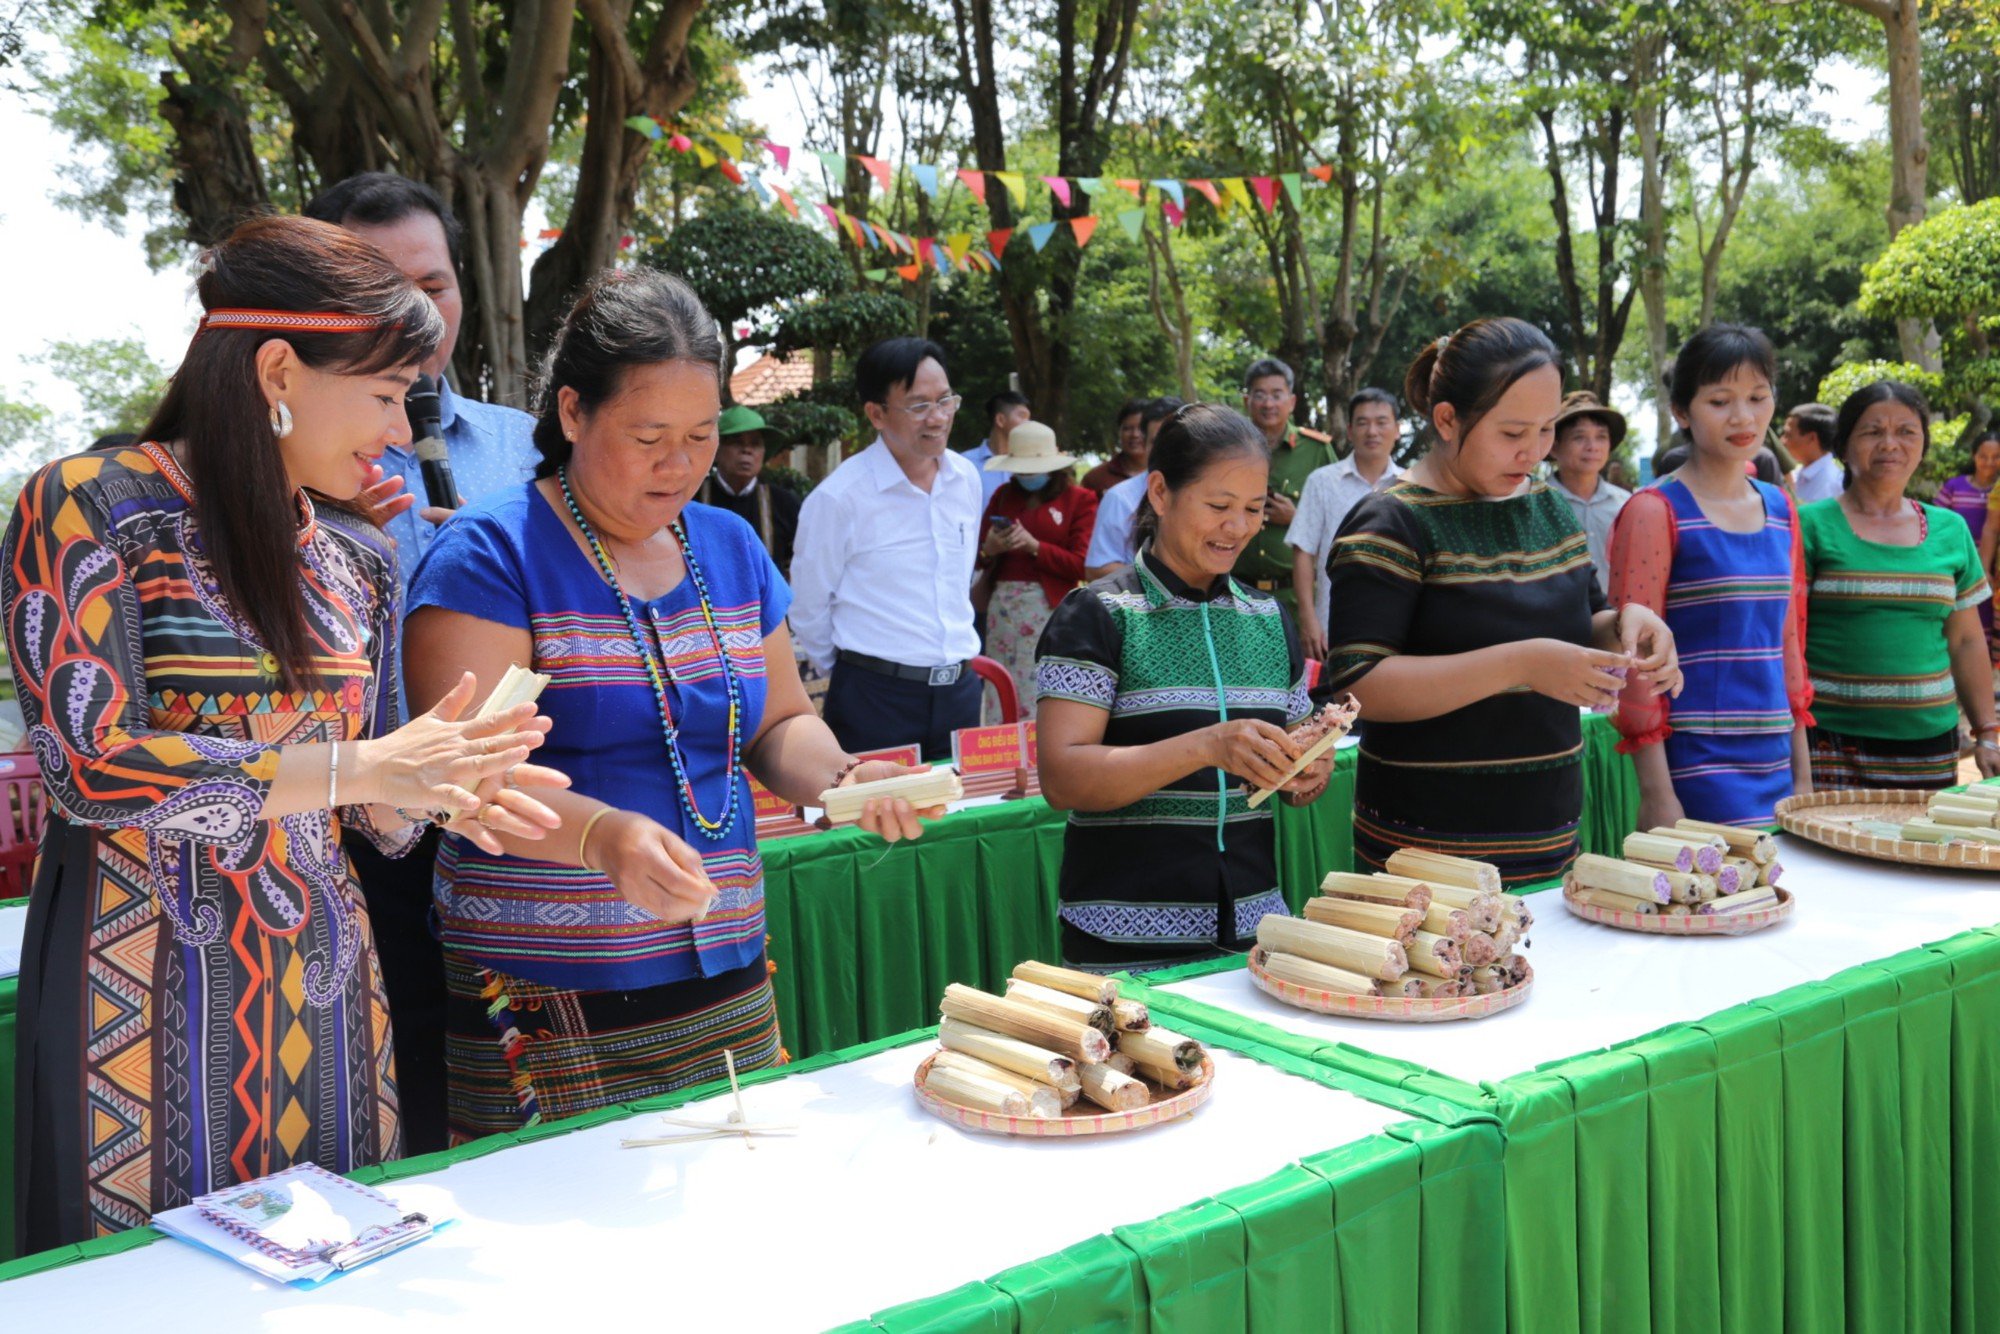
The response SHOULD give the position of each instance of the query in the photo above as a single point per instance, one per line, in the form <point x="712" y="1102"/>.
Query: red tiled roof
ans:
<point x="769" y="378"/>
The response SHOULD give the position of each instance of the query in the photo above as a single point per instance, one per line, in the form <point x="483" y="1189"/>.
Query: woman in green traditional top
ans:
<point x="1894" y="646"/>
<point x="1164" y="688"/>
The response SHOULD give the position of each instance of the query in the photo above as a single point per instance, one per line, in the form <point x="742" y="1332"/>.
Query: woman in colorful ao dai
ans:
<point x="621" y="956"/>
<point x="1717" y="553"/>
<point x="1469" y="623"/>
<point x="1893" y="642"/>
<point x="1164" y="687"/>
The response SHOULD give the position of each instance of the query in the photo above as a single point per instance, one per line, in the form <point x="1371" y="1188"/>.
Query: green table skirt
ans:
<point x="866" y="937"/>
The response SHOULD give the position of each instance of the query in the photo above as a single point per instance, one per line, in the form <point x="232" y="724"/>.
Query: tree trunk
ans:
<point x="1909" y="154"/>
<point x="1652" y="124"/>
<point x="217" y="179"/>
<point x="1169" y="308"/>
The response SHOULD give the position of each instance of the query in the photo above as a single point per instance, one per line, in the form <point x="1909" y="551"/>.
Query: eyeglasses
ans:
<point x="1269" y="395"/>
<point x="925" y="407"/>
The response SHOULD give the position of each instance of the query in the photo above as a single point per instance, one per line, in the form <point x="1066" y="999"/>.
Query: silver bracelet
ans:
<point x="333" y="777"/>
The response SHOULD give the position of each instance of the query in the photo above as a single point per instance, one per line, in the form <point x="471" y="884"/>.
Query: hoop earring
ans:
<point x="281" y="420"/>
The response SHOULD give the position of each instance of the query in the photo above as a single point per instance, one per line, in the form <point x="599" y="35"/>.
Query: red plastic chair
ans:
<point x="1002" y="681"/>
<point x="21" y="821"/>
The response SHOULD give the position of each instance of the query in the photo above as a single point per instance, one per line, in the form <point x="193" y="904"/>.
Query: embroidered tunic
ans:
<point x="1191" y="869"/>
<point x="199" y="998"/>
<point x="1418" y="572"/>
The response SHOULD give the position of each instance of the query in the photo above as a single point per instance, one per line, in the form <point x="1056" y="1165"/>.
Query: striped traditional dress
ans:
<point x="1887" y="701"/>
<point x="1190" y="870"/>
<point x="563" y="996"/>
<point x="1731" y="600"/>
<point x="1421" y="573"/>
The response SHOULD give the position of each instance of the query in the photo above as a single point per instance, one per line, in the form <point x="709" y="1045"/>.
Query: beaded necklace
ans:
<point x="713" y="829"/>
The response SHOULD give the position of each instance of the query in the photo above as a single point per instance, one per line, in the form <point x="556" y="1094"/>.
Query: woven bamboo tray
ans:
<point x="1669" y="924"/>
<point x="1827" y="818"/>
<point x="1393" y="1009"/>
<point x="1083" y="1119"/>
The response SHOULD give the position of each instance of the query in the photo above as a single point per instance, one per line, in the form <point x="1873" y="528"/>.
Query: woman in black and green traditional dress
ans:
<point x="1468" y="621"/>
<point x="1163" y="689"/>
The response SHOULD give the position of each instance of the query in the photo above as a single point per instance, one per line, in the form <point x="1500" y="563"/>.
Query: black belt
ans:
<point x="946" y="675"/>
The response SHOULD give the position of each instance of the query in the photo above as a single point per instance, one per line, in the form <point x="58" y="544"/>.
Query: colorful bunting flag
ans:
<point x="958" y="243"/>
<point x="730" y="170"/>
<point x="1323" y="172"/>
<point x="1039" y="234"/>
<point x="785" y="200"/>
<point x="1207" y="188"/>
<point x="835" y="164"/>
<point x="910" y="272"/>
<point x="1267" y="191"/>
<point x="875" y="275"/>
<point x="1292" y="184"/>
<point x="877" y="168"/>
<point x="975" y="181"/>
<point x="927" y="178"/>
<point x="757" y="188"/>
<point x="1083" y="229"/>
<point x="1131" y="187"/>
<point x="1237" y="192"/>
<point x="1016" y="183"/>
<point x="997" y="240"/>
<point x="645" y="125"/>
<point x="780" y="154"/>
<point x="1174" y="188"/>
<point x="1090" y="185"/>
<point x="1175" y="214"/>
<point x="730" y="144"/>
<point x="680" y="143"/>
<point x="1059" y="187"/>
<point x="704" y="156"/>
<point x="993" y="260"/>
<point x="832" y="215"/>
<point x="1133" y="220"/>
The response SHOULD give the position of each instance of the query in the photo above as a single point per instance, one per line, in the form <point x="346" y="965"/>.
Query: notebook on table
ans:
<point x="303" y="1225"/>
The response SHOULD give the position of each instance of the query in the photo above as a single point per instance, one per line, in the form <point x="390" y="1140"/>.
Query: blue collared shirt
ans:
<point x="492" y="448"/>
<point x="989" y="482"/>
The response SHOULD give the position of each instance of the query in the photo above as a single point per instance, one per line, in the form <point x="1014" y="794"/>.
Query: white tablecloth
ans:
<point x="13" y="924"/>
<point x="1596" y="986"/>
<point x="873" y="1203"/>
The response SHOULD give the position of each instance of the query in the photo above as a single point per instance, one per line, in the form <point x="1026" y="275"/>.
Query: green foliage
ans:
<point x="791" y="478"/>
<point x="846" y="323"/>
<point x="1946" y="267"/>
<point x="745" y="264"/>
<point x="1844" y="380"/>
<point x="812" y="418"/>
<point x="117" y="379"/>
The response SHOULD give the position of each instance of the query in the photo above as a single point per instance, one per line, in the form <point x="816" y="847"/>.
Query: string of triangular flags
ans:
<point x="959" y="250"/>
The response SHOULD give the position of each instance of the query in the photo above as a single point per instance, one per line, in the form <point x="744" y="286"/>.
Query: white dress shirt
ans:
<point x="1595" y="515"/>
<point x="883" y="568"/>
<point x="1819" y="480"/>
<point x="1330" y="494"/>
<point x="1117" y="509"/>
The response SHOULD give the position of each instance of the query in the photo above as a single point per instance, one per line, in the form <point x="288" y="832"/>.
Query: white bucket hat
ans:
<point x="1031" y="447"/>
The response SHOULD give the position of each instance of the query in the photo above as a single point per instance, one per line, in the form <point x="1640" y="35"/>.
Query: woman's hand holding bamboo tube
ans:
<point x="1251" y="749"/>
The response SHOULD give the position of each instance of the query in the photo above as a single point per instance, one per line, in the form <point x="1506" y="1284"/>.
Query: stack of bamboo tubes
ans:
<point x="1432" y="927"/>
<point x="1970" y="816"/>
<point x="925" y="790"/>
<point x="1058" y="1036"/>
<point x="1692" y="868"/>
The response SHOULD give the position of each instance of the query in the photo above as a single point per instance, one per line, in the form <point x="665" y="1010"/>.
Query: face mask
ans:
<point x="1032" y="481"/>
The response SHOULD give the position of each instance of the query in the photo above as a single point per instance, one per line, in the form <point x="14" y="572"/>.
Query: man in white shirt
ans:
<point x="882" y="567"/>
<point x="1330" y="494"/>
<point x="1004" y="411"/>
<point x="1808" y="438"/>
<point x="1111" y="543"/>
<point x="1586" y="433"/>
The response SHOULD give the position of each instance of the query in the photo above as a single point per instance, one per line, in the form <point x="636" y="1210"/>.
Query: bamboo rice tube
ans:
<point x="1483" y="907"/>
<point x="1506" y="938"/>
<point x="1122" y="1063"/>
<point x="1130" y="1016"/>
<point x="1690" y="888"/>
<point x="1436" y="868"/>
<point x="1615" y="902"/>
<point x="1621" y="877"/>
<point x="1074" y="1008"/>
<point x="1080" y="1042"/>
<point x="1515" y="907"/>
<point x="1709" y="849"/>
<point x="1486" y="981"/>
<point x="1747" y="872"/>
<point x="1377" y="919"/>
<point x="932" y="787"/>
<point x="1356" y="951"/>
<point x="1009" y="1053"/>
<point x="1409" y="987"/>
<point x="1303" y="972"/>
<point x="1479" y="948"/>
<point x="1390" y="889"/>
<point x="1656" y="851"/>
<point x="956" y="1086"/>
<point x="1728" y="879"/>
<point x="1454" y="922"/>
<point x="1442" y="988"/>
<point x="1436" y="955"/>
<point x="1750" y="900"/>
<point x="1930" y="831"/>
<point x="1972" y="796"/>
<point x="1171" y="1078"/>
<point x="1755" y="844"/>
<point x="1514" y="968"/>
<point x="1113" y="1089"/>
<point x="1158" y="1046"/>
<point x="1965" y="816"/>
<point x="1768" y="873"/>
<point x="1070" y="981"/>
<point x="1044" y="1100"/>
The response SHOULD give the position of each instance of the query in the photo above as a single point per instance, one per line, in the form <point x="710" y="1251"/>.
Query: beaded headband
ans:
<point x="291" y="320"/>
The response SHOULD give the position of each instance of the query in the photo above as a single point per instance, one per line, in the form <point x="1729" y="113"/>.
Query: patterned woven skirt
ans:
<point x="1843" y="760"/>
<point x="1525" y="822"/>
<point x="518" y="1052"/>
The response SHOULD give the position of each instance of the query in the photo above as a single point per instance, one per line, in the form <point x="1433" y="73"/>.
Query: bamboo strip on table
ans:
<point x="1063" y="1005"/>
<point x="1071" y="981"/>
<point x="1391" y="889"/>
<point x="1622" y="877"/>
<point x="1112" y="1089"/>
<point x="1043" y="1099"/>
<point x="1377" y="919"/>
<point x="1131" y="1016"/>
<point x="1435" y="868"/>
<point x="1755" y="844"/>
<point x="1080" y="1042"/>
<point x="1161" y="1047"/>
<point x="1435" y="955"/>
<point x="1009" y="1053"/>
<point x="1376" y="956"/>
<point x="1314" y="976"/>
<point x="1655" y="851"/>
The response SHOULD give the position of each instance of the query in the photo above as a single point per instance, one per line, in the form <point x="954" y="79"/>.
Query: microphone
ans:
<point x="427" y="430"/>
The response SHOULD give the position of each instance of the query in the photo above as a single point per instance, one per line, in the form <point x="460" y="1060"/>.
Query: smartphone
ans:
<point x="1001" y="521"/>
